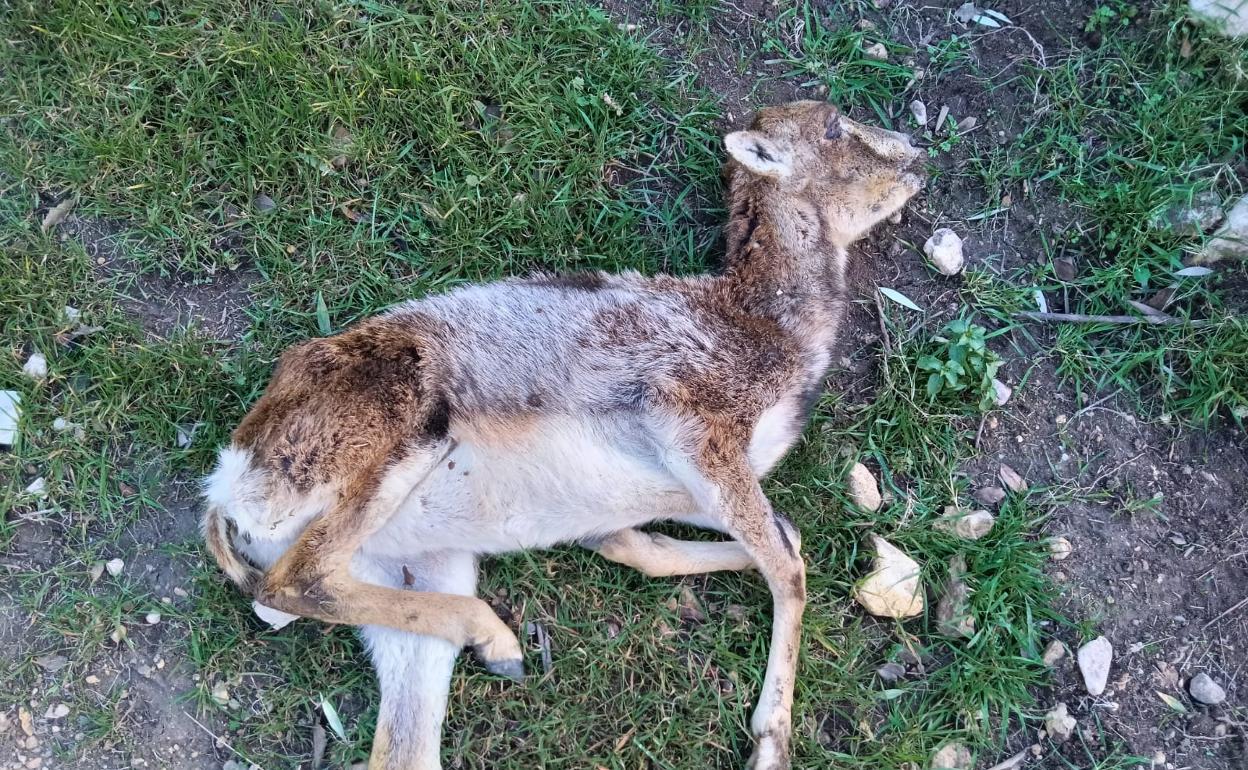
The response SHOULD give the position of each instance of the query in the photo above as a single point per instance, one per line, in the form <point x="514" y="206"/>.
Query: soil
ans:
<point x="1158" y="515"/>
<point x="162" y="303"/>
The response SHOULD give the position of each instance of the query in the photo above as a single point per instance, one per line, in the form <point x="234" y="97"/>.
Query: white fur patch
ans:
<point x="223" y="485"/>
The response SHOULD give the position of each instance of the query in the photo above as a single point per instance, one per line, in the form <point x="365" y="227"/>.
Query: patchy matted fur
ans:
<point x="380" y="462"/>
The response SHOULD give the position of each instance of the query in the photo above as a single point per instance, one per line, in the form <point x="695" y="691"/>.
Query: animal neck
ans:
<point x="780" y="261"/>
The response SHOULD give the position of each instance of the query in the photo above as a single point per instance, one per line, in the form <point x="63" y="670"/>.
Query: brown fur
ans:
<point x="694" y="366"/>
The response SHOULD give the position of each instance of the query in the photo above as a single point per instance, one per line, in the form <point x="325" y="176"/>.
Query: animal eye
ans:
<point x="833" y="130"/>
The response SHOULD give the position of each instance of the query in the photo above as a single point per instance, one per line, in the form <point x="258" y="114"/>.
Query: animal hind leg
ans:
<point x="413" y="671"/>
<point x="313" y="577"/>
<point x="657" y="555"/>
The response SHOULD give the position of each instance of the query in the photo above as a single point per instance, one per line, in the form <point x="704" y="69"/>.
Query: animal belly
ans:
<point x="557" y="483"/>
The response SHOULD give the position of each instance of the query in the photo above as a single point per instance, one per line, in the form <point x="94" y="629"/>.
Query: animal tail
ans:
<point x="216" y="529"/>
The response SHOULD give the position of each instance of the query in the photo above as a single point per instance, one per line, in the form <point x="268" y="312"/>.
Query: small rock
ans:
<point x="263" y="203"/>
<point x="1094" y="659"/>
<point x="940" y="118"/>
<point x="890" y="672"/>
<point x="953" y="612"/>
<point x="26" y="721"/>
<point x="1231" y="239"/>
<point x="970" y="525"/>
<point x="1060" y="724"/>
<point x="152" y="618"/>
<point x="988" y="495"/>
<point x="1204" y="690"/>
<point x="919" y="110"/>
<point x="892" y="590"/>
<point x="10" y="411"/>
<point x="71" y="314"/>
<point x="221" y="693"/>
<point x="36" y="367"/>
<point x="1001" y="392"/>
<point x="96" y="571"/>
<point x="876" y="51"/>
<point x="1190" y="217"/>
<point x="1065" y="269"/>
<point x="862" y="488"/>
<point x="37" y="488"/>
<point x="118" y="635"/>
<point x="1053" y="653"/>
<point x="60" y="425"/>
<point x="52" y="663"/>
<point x="1011" y="479"/>
<point x="92" y="679"/>
<point x="59" y="711"/>
<point x="114" y="566"/>
<point x="944" y="249"/>
<point x="1060" y="549"/>
<point x="276" y="619"/>
<point x="953" y="756"/>
<point x="1229" y="18"/>
<point x="967" y="123"/>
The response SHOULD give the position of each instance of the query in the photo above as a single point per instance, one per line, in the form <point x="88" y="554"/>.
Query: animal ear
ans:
<point x="759" y="154"/>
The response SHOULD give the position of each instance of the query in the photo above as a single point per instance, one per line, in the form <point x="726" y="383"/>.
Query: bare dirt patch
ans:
<point x="162" y="303"/>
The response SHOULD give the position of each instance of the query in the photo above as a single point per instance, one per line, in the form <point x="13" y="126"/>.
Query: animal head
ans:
<point x="854" y="175"/>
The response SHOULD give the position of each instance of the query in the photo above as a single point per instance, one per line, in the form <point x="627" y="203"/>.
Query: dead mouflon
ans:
<point x="381" y="462"/>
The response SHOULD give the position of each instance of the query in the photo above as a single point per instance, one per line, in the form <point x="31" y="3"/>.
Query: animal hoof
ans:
<point x="512" y="669"/>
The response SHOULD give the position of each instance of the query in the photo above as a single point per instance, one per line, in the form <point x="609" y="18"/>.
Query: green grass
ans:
<point x="412" y="150"/>
<point x="1122" y="133"/>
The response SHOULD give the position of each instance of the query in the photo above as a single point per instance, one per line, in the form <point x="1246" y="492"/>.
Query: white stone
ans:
<point x="36" y="367"/>
<point x="274" y="617"/>
<point x="37" y="488"/>
<point x="1205" y="690"/>
<point x="968" y="525"/>
<point x="877" y="51"/>
<point x="944" y="249"/>
<point x="152" y="618"/>
<point x="1094" y="659"/>
<point x="1060" y="549"/>
<point x="1231" y="239"/>
<point x="862" y="488"/>
<point x="1001" y="392"/>
<point x="1060" y="724"/>
<point x="10" y="411"/>
<point x="952" y="756"/>
<point x="1228" y="16"/>
<point x="114" y="566"/>
<point x="1053" y="653"/>
<point x="892" y="590"/>
<point x="919" y="110"/>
